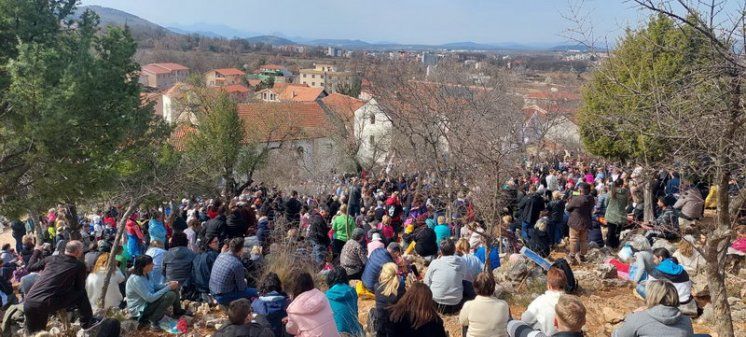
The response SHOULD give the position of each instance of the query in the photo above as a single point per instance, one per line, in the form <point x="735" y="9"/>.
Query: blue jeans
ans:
<point x="319" y="253"/>
<point x="524" y="230"/>
<point x="226" y="299"/>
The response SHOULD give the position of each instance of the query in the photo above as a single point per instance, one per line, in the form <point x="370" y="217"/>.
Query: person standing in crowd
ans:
<point x="343" y="301"/>
<point x="60" y="285"/>
<point x="342" y="226"/>
<point x="292" y="208"/>
<point x="557" y="225"/>
<point x="19" y="230"/>
<point x="318" y="234"/>
<point x="228" y="276"/>
<point x="309" y="313"/>
<point x="156" y="228"/>
<point x="531" y="205"/>
<point x="616" y="212"/>
<point x="473" y="316"/>
<point x="239" y="315"/>
<point x="415" y="315"/>
<point x="135" y="237"/>
<point x="147" y="301"/>
<point x="580" y="208"/>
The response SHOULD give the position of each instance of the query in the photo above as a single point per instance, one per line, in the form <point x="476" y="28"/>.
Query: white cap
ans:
<point x="376" y="236"/>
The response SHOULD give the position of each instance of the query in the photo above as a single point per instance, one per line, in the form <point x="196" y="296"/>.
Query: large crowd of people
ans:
<point x="418" y="251"/>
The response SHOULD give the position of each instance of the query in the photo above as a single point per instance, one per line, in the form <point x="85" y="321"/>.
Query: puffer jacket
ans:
<point x="343" y="301"/>
<point x="310" y="315"/>
<point x="377" y="259"/>
<point x="272" y="307"/>
<point x="177" y="264"/>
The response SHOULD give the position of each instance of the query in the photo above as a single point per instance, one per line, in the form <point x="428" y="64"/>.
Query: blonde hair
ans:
<point x="661" y="293"/>
<point x="570" y="311"/>
<point x="556" y="195"/>
<point x="441" y="219"/>
<point x="507" y="219"/>
<point x="343" y="209"/>
<point x="685" y="247"/>
<point x="389" y="279"/>
<point x="386" y="220"/>
<point x="462" y="245"/>
<point x="101" y="262"/>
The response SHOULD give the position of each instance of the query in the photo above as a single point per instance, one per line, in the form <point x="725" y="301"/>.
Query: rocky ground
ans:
<point x="607" y="298"/>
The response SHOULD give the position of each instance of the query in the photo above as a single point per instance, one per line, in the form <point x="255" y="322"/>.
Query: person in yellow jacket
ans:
<point x="712" y="197"/>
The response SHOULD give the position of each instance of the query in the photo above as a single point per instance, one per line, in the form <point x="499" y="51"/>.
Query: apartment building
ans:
<point x="162" y="75"/>
<point x="325" y="76"/>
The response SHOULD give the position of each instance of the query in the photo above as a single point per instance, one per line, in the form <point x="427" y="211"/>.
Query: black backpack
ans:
<point x="572" y="284"/>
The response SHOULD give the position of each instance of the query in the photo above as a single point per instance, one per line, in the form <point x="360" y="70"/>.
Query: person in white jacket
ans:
<point x="540" y="313"/>
<point x="94" y="284"/>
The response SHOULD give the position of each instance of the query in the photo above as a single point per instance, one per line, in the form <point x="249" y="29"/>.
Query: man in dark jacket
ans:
<point x="318" y="234"/>
<point x="292" y="208"/>
<point x="376" y="260"/>
<point x="355" y="196"/>
<point x="581" y="209"/>
<point x="202" y="266"/>
<point x="425" y="243"/>
<point x="531" y="205"/>
<point x="236" y="223"/>
<point x="19" y="230"/>
<point x="60" y="285"/>
<point x="214" y="227"/>
<point x="177" y="262"/>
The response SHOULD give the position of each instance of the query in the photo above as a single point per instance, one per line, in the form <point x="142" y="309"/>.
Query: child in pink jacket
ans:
<point x="309" y="315"/>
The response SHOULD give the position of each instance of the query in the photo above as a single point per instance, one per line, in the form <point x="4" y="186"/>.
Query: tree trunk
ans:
<point x="111" y="265"/>
<point x="72" y="218"/>
<point x="648" y="213"/>
<point x="715" y="248"/>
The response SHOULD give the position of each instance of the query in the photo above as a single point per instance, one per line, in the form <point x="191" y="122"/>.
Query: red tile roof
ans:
<point x="343" y="105"/>
<point x="229" y="72"/>
<point x="272" y="67"/>
<point x="162" y="68"/>
<point x="301" y="94"/>
<point x="180" y="135"/>
<point x="235" y="88"/>
<point x="283" y="121"/>
<point x="254" y="82"/>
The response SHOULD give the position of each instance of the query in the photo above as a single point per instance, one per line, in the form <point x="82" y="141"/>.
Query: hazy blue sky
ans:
<point x="403" y="21"/>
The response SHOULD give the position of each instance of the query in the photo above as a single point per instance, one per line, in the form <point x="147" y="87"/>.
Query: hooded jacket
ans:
<point x="691" y="204"/>
<point x="343" y="301"/>
<point x="177" y="263"/>
<point x="310" y="315"/>
<point x="659" y="320"/>
<point x="444" y="277"/>
<point x="236" y="224"/>
<point x="372" y="270"/>
<point x="273" y="307"/>
<point x="674" y="273"/>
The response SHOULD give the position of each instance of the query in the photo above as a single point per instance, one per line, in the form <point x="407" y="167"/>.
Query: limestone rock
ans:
<point x="663" y="243"/>
<point x="597" y="255"/>
<point x="606" y="271"/>
<point x="611" y="315"/>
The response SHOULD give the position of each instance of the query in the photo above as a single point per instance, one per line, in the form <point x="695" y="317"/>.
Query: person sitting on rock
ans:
<point x="271" y="306"/>
<point x="377" y="259"/>
<point x="239" y="314"/>
<point x="445" y="277"/>
<point x="540" y="313"/>
<point x="148" y="301"/>
<point x="666" y="225"/>
<point x="570" y="318"/>
<point x="473" y="317"/>
<point x="668" y="269"/>
<point x="662" y="316"/>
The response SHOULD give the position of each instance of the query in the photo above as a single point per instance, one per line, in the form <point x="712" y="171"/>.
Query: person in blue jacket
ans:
<point x="272" y="303"/>
<point x="343" y="300"/>
<point x="377" y="259"/>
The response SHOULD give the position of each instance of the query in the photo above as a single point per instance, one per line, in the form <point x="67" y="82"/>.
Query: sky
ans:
<point x="400" y="21"/>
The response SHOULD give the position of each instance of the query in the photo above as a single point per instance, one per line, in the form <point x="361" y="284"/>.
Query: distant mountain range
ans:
<point x="144" y="28"/>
